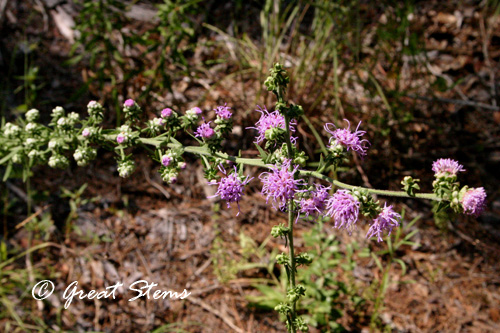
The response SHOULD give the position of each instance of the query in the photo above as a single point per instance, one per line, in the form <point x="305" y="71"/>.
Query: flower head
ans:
<point x="166" y="160"/>
<point x="269" y="121"/>
<point x="57" y="112"/>
<point x="193" y="114"/>
<point x="223" y="112"/>
<point x="10" y="130"/>
<point x="125" y="134"/>
<point x="386" y="220"/>
<point x="129" y="103"/>
<point x="343" y="207"/>
<point x="32" y="115"/>
<point x="120" y="138"/>
<point x="205" y="131"/>
<point x="167" y="112"/>
<point x="280" y="185"/>
<point x="350" y="140"/>
<point x="315" y="203"/>
<point x="125" y="168"/>
<point x="474" y="201"/>
<point x="85" y="132"/>
<point x="445" y="166"/>
<point x="231" y="187"/>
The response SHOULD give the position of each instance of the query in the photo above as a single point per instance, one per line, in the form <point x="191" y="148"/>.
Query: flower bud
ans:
<point x="85" y="132"/>
<point x="73" y="118"/>
<point x="95" y="111"/>
<point x="53" y="144"/>
<point x="57" y="113"/>
<point x="30" y="143"/>
<point x="165" y="160"/>
<point x="31" y="127"/>
<point x="32" y="115"/>
<point x="126" y="168"/>
<point x="58" y="161"/>
<point x="10" y="130"/>
<point x="17" y="158"/>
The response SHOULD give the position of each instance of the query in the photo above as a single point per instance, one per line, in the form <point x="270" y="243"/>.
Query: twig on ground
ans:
<point x="455" y="101"/>
<point x="485" y="36"/>
<point x="225" y="318"/>
<point x="32" y="216"/>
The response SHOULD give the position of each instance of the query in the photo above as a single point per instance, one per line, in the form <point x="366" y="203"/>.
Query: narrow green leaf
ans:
<point x="263" y="154"/>
<point x="7" y="172"/>
<point x="403" y="265"/>
<point x="377" y="261"/>
<point x="9" y="156"/>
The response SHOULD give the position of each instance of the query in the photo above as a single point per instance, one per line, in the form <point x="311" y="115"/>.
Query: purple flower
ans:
<point x="474" y="201"/>
<point x="205" y="131"/>
<point x="120" y="138"/>
<point x="348" y="139"/>
<point x="167" y="112"/>
<point x="271" y="120"/>
<point x="343" y="207"/>
<point x="315" y="203"/>
<point x="85" y="132"/>
<point x="129" y="103"/>
<point x="446" y="166"/>
<point x="223" y="112"/>
<point x="386" y="220"/>
<point x="280" y="184"/>
<point x="230" y="187"/>
<point x="166" y="160"/>
<point x="197" y="110"/>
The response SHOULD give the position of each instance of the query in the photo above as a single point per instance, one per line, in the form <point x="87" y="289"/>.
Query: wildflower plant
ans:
<point x="285" y="183"/>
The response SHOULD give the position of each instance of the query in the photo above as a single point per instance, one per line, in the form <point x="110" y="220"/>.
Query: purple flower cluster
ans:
<point x="231" y="187"/>
<point x="385" y="221"/>
<point x="167" y="112"/>
<point x="120" y="138"/>
<point x="271" y="120"/>
<point x="350" y="140"/>
<point x="223" y="112"/>
<point x="474" y="201"/>
<point x="280" y="185"/>
<point x="166" y="160"/>
<point x="129" y="103"/>
<point x="315" y="203"/>
<point x="445" y="166"/>
<point x="343" y="207"/>
<point x="205" y="131"/>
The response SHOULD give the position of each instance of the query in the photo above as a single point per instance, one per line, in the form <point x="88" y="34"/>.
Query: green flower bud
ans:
<point x="283" y="259"/>
<point x="294" y="294"/>
<point x="410" y="185"/>
<point x="303" y="259"/>
<point x="279" y="231"/>
<point x="283" y="308"/>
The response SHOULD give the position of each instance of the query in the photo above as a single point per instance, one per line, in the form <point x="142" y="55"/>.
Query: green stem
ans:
<point x="290" y="225"/>
<point x="258" y="162"/>
<point x="156" y="142"/>
<point x="381" y="295"/>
